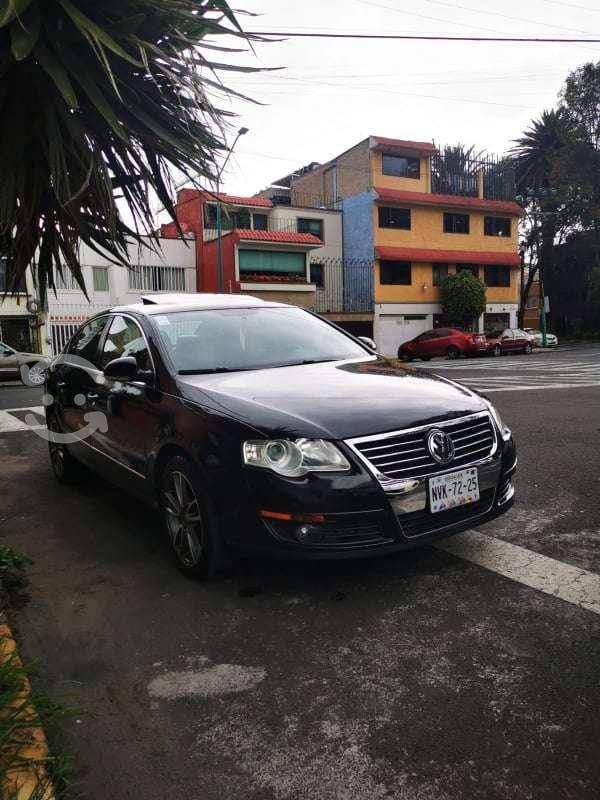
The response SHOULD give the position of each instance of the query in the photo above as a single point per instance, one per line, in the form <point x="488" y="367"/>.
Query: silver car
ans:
<point x="12" y="363"/>
<point x="538" y="339"/>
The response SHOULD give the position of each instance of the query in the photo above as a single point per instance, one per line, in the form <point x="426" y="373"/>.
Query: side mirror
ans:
<point x="369" y="342"/>
<point x="122" y="369"/>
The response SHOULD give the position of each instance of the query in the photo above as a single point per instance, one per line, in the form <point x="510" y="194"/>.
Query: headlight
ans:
<point x="505" y="432"/>
<point x="294" y="459"/>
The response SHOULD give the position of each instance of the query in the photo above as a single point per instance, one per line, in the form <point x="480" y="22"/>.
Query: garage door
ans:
<point x="394" y="329"/>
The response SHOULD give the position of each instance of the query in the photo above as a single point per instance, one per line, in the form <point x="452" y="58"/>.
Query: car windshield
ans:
<point x="494" y="334"/>
<point x="234" y="339"/>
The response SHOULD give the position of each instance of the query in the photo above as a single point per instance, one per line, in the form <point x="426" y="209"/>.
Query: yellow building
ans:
<point x="419" y="215"/>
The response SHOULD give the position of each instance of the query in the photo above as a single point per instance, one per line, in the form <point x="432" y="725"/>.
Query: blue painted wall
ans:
<point x="358" y="238"/>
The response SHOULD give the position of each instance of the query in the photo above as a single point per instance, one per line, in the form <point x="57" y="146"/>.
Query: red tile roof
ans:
<point x="448" y="256"/>
<point x="278" y="236"/>
<point x="448" y="200"/>
<point x="237" y="200"/>
<point x="424" y="147"/>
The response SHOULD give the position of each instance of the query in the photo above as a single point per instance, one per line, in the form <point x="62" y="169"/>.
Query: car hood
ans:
<point x="337" y="400"/>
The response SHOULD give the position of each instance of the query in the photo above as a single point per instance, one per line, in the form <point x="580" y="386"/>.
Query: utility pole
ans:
<point x="522" y="299"/>
<point x="241" y="132"/>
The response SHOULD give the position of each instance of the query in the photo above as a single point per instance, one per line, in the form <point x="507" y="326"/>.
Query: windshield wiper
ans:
<point x="210" y="371"/>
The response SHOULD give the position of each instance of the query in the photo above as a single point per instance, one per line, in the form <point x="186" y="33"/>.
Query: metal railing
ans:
<point x="281" y="196"/>
<point x="344" y="285"/>
<point x="459" y="174"/>
<point x="285" y="225"/>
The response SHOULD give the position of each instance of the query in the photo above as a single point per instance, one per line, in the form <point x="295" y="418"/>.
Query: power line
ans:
<point x="572" y="5"/>
<point x="424" y="38"/>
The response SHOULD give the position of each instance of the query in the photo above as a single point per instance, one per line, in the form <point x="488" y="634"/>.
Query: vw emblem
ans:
<point x="440" y="445"/>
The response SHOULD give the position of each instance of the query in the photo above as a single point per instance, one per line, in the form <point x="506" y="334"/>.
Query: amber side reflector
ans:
<point x="292" y="517"/>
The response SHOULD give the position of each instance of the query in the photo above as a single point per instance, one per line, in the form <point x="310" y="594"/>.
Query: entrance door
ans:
<point x="16" y="333"/>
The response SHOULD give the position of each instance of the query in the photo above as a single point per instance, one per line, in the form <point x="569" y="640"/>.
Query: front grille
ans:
<point x="405" y="454"/>
<point x="346" y="531"/>
<point x="420" y="522"/>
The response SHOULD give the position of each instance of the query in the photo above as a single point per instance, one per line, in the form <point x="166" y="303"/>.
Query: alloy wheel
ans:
<point x="57" y="453"/>
<point x="36" y="375"/>
<point x="184" y="519"/>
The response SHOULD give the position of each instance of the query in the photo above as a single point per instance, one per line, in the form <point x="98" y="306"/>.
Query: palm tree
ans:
<point x="537" y="156"/>
<point x="101" y="101"/>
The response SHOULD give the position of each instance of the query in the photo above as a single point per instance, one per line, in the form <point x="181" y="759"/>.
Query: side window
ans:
<point x="85" y="342"/>
<point x="4" y="351"/>
<point x="508" y="334"/>
<point x="125" y="338"/>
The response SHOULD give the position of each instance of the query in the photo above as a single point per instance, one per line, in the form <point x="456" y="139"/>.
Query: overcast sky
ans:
<point x="332" y="94"/>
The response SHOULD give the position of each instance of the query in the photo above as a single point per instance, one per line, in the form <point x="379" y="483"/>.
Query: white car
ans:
<point x="12" y="362"/>
<point x="537" y="337"/>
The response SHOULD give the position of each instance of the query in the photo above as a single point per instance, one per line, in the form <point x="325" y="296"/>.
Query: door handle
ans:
<point x="92" y="396"/>
<point x="61" y="384"/>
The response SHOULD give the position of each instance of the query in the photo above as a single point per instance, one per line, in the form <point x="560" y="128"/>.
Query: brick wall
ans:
<point x="349" y="172"/>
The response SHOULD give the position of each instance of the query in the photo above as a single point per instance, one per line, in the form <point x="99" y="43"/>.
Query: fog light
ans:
<point x="303" y="533"/>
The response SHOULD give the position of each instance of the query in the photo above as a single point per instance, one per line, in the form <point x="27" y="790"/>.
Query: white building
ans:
<point x="171" y="269"/>
<point x="17" y="325"/>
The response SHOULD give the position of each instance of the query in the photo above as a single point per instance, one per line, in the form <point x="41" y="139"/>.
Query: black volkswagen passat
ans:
<point x="259" y="426"/>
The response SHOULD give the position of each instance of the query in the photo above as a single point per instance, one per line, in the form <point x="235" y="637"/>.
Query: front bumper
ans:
<point x="357" y="517"/>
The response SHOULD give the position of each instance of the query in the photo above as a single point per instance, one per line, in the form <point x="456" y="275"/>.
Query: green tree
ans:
<point x="101" y="101"/>
<point x="543" y="191"/>
<point x="463" y="298"/>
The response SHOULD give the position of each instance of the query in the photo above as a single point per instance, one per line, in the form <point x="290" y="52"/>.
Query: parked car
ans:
<point x="12" y="360"/>
<point x="509" y="340"/>
<point x="261" y="427"/>
<point x="537" y="338"/>
<point x="443" y="342"/>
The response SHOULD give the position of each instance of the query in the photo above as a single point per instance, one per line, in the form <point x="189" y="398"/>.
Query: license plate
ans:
<point x="454" y="489"/>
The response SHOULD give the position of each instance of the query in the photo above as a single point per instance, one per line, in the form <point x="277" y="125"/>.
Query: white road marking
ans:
<point x="481" y="386"/>
<point x="10" y="424"/>
<point x="568" y="583"/>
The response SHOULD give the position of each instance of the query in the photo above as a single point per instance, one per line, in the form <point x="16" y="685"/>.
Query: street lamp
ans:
<point x="241" y="132"/>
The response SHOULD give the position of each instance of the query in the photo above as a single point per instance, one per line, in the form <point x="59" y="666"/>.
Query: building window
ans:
<point x="496" y="275"/>
<point x="272" y="264"/>
<point x="260" y="222"/>
<point x="100" y="279"/>
<point x="157" y="279"/>
<point x="230" y="218"/>
<point x="456" y="223"/>
<point x="397" y="273"/>
<point x="21" y="286"/>
<point x="532" y="302"/>
<point x="210" y="215"/>
<point x="65" y="282"/>
<point x="317" y="275"/>
<point x="440" y="271"/>
<point x="496" y="226"/>
<point x="400" y="166"/>
<point x="472" y="268"/>
<point x="309" y="225"/>
<point x="394" y="217"/>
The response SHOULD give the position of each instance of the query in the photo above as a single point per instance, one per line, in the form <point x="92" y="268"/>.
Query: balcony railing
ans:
<point x="281" y="196"/>
<point x="284" y="225"/>
<point x="458" y="174"/>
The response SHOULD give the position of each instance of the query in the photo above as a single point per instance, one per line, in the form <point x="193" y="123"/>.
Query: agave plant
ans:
<point x="102" y="101"/>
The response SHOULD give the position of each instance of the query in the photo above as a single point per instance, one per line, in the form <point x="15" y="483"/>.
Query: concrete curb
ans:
<point x="23" y="783"/>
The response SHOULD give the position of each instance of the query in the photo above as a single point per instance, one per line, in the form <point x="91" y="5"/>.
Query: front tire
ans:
<point x="190" y="521"/>
<point x="453" y="352"/>
<point x="528" y="349"/>
<point x="497" y="351"/>
<point x="404" y="355"/>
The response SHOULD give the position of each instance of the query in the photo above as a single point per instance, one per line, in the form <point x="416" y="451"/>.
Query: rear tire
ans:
<point x="404" y="355"/>
<point x="453" y="352"/>
<point x="190" y="521"/>
<point x="497" y="351"/>
<point x="66" y="468"/>
<point x="33" y="375"/>
<point x="528" y="349"/>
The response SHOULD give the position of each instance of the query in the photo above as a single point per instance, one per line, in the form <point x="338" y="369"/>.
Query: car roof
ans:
<point x="164" y="303"/>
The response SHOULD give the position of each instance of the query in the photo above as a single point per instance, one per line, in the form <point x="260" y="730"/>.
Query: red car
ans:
<point x="510" y="340"/>
<point x="443" y="342"/>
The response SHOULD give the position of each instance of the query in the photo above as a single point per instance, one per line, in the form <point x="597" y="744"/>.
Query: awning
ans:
<point x="448" y="256"/>
<point x="447" y="201"/>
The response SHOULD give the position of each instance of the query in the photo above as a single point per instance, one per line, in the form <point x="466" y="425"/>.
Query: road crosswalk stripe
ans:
<point x="568" y="583"/>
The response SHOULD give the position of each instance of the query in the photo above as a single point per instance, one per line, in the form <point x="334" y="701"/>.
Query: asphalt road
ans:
<point x="421" y="677"/>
